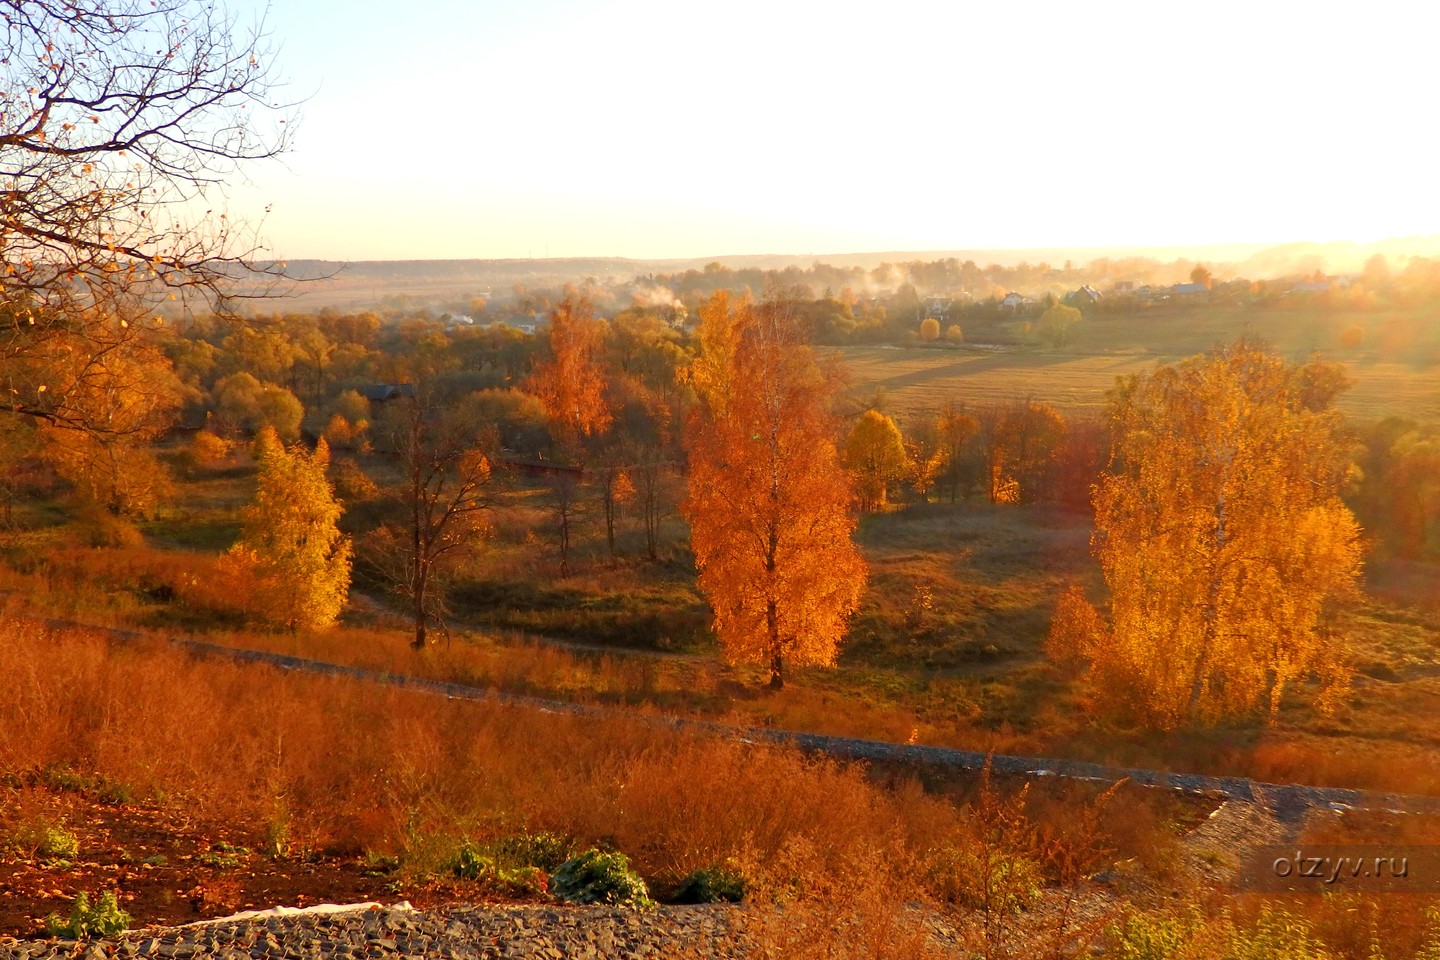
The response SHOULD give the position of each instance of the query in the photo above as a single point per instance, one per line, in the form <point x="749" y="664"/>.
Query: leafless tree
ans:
<point x="120" y="123"/>
<point x="448" y="487"/>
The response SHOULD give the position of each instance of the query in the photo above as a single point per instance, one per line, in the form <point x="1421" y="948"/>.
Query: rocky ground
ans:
<point x="551" y="932"/>
<point x="455" y="933"/>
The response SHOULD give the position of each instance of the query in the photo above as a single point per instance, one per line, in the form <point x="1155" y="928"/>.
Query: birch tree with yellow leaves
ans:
<point x="291" y="541"/>
<point x="1223" y="541"/>
<point x="769" y="503"/>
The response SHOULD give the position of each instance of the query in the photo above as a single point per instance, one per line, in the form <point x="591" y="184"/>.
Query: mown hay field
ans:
<point x="1394" y="359"/>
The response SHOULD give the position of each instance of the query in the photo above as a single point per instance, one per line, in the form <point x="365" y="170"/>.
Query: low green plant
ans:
<point x="59" y="776"/>
<point x="101" y="919"/>
<point x="47" y="841"/>
<point x="380" y="864"/>
<point x="990" y="879"/>
<point x="1278" y="935"/>
<point x="522" y="881"/>
<point x="596" y="877"/>
<point x="544" y="850"/>
<point x="713" y="884"/>
<point x="223" y="856"/>
<point x="1148" y="936"/>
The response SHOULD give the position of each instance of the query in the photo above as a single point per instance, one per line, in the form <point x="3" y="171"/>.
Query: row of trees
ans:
<point x="1019" y="452"/>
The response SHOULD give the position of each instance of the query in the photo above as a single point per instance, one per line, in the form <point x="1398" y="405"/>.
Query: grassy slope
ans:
<point x="946" y="647"/>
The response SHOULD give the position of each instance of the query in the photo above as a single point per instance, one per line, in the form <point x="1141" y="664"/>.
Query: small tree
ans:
<point x="875" y="453"/>
<point x="291" y="536"/>
<point x="953" y="428"/>
<point x="1055" y="324"/>
<point x="653" y="482"/>
<point x="616" y="489"/>
<point x="569" y="382"/>
<point x="930" y="329"/>
<point x="565" y="489"/>
<point x="447" y="489"/>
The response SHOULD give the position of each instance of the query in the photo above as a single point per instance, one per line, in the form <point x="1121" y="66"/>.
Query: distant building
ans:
<point x="385" y="392"/>
<point x="1086" y="296"/>
<point x="1189" y="290"/>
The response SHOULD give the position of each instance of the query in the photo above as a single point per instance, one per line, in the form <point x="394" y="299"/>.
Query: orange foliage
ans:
<point x="569" y="383"/>
<point x="1222" y="537"/>
<point x="768" y="502"/>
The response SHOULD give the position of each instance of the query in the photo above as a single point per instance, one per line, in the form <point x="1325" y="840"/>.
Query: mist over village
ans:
<point x="605" y="479"/>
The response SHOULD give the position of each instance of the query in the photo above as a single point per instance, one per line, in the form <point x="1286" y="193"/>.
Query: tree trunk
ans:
<point x="610" y="522"/>
<point x="777" y="658"/>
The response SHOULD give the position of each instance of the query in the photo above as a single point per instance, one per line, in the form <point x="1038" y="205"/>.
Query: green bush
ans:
<point x="1151" y="936"/>
<point x="471" y="863"/>
<point x="223" y="856"/>
<point x="48" y="841"/>
<point x="59" y="776"/>
<point x="103" y="919"/>
<point x="544" y="850"/>
<point x="990" y="879"/>
<point x="1277" y="935"/>
<point x="595" y="877"/>
<point x="711" y="885"/>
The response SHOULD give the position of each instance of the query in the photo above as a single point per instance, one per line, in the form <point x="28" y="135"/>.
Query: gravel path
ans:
<point x="458" y="933"/>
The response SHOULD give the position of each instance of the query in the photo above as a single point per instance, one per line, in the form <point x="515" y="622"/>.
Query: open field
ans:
<point x="1395" y="364"/>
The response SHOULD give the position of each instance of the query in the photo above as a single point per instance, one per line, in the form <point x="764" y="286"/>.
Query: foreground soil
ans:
<point x="166" y="869"/>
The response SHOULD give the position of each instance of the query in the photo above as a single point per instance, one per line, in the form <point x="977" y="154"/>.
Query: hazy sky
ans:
<point x="663" y="128"/>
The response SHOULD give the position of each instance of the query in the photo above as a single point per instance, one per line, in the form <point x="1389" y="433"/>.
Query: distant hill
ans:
<point x="426" y="283"/>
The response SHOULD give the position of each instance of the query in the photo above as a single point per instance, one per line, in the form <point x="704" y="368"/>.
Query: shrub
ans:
<point x="207" y="449"/>
<point x="1151" y="937"/>
<point x="712" y="884"/>
<point x="59" y="776"/>
<point x="985" y="878"/>
<point x="102" y="919"/>
<point x="351" y="482"/>
<point x="595" y="877"/>
<point x="522" y="881"/>
<point x="544" y="850"/>
<point x="47" y="841"/>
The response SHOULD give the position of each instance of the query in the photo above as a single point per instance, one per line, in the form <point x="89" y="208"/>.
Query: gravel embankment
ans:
<point x="456" y="933"/>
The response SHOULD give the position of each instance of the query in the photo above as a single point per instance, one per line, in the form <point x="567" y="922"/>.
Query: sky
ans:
<point x="668" y="129"/>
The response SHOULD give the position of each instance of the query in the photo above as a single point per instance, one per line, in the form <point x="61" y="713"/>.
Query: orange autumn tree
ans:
<point x="1223" y="540"/>
<point x="875" y="453"/>
<point x="768" y="501"/>
<point x="569" y="382"/>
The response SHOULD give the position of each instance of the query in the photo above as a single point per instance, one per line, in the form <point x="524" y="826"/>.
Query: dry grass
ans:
<point x="335" y="765"/>
<point x="1396" y="364"/>
<point x="354" y="766"/>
